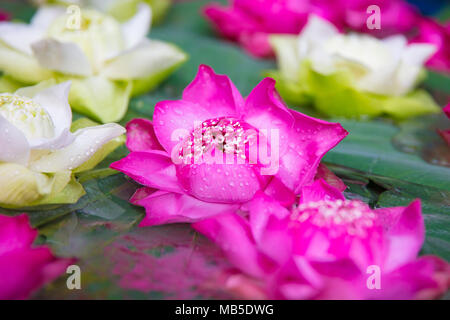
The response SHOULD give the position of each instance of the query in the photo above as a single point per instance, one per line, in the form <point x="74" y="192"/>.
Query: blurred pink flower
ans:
<point x="4" y="16"/>
<point x="445" y="134"/>
<point x="432" y="32"/>
<point x="24" y="268"/>
<point x="396" y="16"/>
<point x="325" y="247"/>
<point x="250" y="22"/>
<point x="197" y="157"/>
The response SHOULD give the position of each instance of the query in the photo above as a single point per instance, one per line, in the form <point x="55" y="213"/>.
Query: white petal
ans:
<point x="21" y="66"/>
<point x="65" y="57"/>
<point x="150" y="57"/>
<point x="418" y="53"/>
<point x="87" y="142"/>
<point x="55" y="101"/>
<point x="45" y="16"/>
<point x="14" y="144"/>
<point x="288" y="60"/>
<point x="31" y="91"/>
<point x="19" y="36"/>
<point x="396" y="44"/>
<point x="316" y="32"/>
<point x="411" y="65"/>
<point x="135" y="29"/>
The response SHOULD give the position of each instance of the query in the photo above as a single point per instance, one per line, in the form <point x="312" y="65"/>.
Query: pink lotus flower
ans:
<point x="445" y="134"/>
<point x="24" y="268"/>
<point x="4" y="16"/>
<point x="432" y="32"/>
<point x="250" y="22"/>
<point x="327" y="248"/>
<point x="206" y="154"/>
<point x="396" y="16"/>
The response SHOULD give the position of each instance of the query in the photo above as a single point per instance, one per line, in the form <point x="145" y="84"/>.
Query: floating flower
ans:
<point x="210" y="152"/>
<point x="445" y="134"/>
<point x="432" y="32"/>
<point x="107" y="61"/>
<point x="327" y="247"/>
<point x="24" y="268"/>
<point x="39" y="152"/>
<point x="352" y="75"/>
<point x="120" y="9"/>
<point x="250" y="22"/>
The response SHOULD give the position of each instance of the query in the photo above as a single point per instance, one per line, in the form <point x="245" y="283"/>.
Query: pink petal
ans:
<point x="431" y="31"/>
<point x="257" y="43"/>
<point x="326" y="174"/>
<point x="406" y="237"/>
<point x="229" y="22"/>
<point x="296" y="280"/>
<point x="425" y="278"/>
<point x="265" y="110"/>
<point x="308" y="141"/>
<point x="318" y="191"/>
<point x="166" y="207"/>
<point x="214" y="92"/>
<point x="140" y="194"/>
<point x="22" y="272"/>
<point x="152" y="169"/>
<point x="446" y="110"/>
<point x="141" y="136"/>
<point x="15" y="233"/>
<point x="261" y="208"/>
<point x="24" y="269"/>
<point x="277" y="190"/>
<point x="174" y="120"/>
<point x="397" y="16"/>
<point x="269" y="223"/>
<point x="232" y="233"/>
<point x="224" y="183"/>
<point x="4" y="16"/>
<point x="445" y="134"/>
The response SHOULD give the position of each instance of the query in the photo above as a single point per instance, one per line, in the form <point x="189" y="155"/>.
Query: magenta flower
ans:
<point x="432" y="32"/>
<point x="327" y="248"/>
<point x="24" y="268"/>
<point x="396" y="16"/>
<point x="4" y="16"/>
<point x="210" y="152"/>
<point x="445" y="134"/>
<point x="249" y="22"/>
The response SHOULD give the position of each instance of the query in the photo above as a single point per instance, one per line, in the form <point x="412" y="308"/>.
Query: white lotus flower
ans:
<point x="36" y="141"/>
<point x="99" y="54"/>
<point x="119" y="9"/>
<point x="389" y="66"/>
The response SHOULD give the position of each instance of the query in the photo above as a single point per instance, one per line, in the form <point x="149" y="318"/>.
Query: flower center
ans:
<point x="98" y="35"/>
<point x="227" y="135"/>
<point x="351" y="217"/>
<point x="27" y="116"/>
